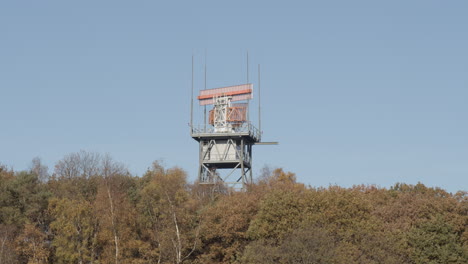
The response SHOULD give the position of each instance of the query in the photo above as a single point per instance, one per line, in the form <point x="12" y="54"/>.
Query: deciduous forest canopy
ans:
<point x="90" y="209"/>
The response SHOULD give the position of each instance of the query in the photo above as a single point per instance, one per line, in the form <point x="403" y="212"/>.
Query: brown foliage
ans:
<point x="224" y="227"/>
<point x="32" y="246"/>
<point x="7" y="242"/>
<point x="92" y="210"/>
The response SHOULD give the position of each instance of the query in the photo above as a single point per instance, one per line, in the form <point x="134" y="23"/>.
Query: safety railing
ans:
<point x="245" y="128"/>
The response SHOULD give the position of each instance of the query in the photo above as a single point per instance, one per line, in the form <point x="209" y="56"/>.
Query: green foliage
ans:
<point x="280" y="212"/>
<point x="22" y="198"/>
<point x="261" y="251"/>
<point x="309" y="244"/>
<point x="281" y="206"/>
<point x="434" y="241"/>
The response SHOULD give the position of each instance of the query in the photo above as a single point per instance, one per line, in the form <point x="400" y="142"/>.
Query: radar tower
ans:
<point x="226" y="138"/>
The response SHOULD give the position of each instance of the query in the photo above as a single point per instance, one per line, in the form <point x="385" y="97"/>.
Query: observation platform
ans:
<point x="246" y="131"/>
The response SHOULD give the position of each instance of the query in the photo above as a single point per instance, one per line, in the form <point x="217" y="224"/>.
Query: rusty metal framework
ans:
<point x="236" y="115"/>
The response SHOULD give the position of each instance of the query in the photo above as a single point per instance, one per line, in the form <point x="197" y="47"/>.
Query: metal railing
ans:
<point x="245" y="128"/>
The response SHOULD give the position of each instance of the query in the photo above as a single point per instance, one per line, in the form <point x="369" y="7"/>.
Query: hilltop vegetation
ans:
<point x="92" y="210"/>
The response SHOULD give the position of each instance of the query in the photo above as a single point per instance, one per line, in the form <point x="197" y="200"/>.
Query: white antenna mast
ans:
<point x="191" y="102"/>
<point x="259" y="105"/>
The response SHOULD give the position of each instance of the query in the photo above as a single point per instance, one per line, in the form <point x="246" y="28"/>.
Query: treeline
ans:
<point x="92" y="210"/>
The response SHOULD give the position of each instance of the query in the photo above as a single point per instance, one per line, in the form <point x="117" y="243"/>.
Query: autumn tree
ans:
<point x="23" y="198"/>
<point x="119" y="234"/>
<point x="92" y="210"/>
<point x="170" y="212"/>
<point x="23" y="204"/>
<point x="74" y="229"/>
<point x="310" y="244"/>
<point x="434" y="241"/>
<point x="32" y="245"/>
<point x="225" y="225"/>
<point x="8" y="216"/>
<point x="281" y="206"/>
<point x="39" y="169"/>
<point x="76" y="176"/>
<point x="79" y="164"/>
<point x="7" y="242"/>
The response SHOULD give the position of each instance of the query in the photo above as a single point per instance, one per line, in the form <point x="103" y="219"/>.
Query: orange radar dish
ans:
<point x="237" y="93"/>
<point x="236" y="115"/>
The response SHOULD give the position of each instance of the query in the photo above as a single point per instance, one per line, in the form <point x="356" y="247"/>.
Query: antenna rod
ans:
<point x="247" y="66"/>
<point x="259" y="104"/>
<point x="205" y="69"/>
<point x="204" y="112"/>
<point x="248" y="100"/>
<point x="191" y="103"/>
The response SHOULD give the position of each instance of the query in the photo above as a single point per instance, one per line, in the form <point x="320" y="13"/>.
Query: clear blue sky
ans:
<point x="357" y="92"/>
